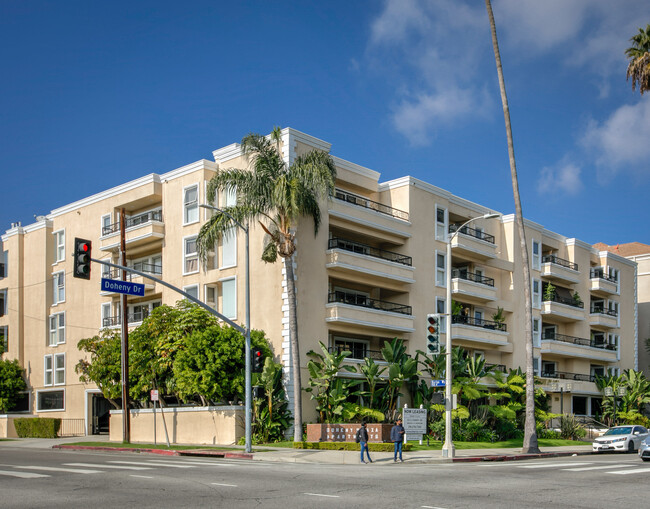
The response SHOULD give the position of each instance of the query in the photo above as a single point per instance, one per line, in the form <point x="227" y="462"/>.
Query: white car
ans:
<point x="621" y="438"/>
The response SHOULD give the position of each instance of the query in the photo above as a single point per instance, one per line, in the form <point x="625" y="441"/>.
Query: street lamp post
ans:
<point x="448" y="450"/>
<point x="247" y="348"/>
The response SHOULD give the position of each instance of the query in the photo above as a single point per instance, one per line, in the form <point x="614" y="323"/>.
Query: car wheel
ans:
<point x="630" y="447"/>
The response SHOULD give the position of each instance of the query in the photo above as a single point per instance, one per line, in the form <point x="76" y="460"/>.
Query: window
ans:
<point x="536" y="256"/>
<point x="229" y="298"/>
<point x="50" y="401"/>
<point x="192" y="290"/>
<point x="191" y="204"/>
<point x="4" y="339"/>
<point x="440" y="308"/>
<point x="537" y="337"/>
<point x="613" y="341"/>
<point x="536" y="366"/>
<point x="441" y="223"/>
<point x="57" y="329"/>
<point x="229" y="248"/>
<point x="441" y="274"/>
<point x="58" y="288"/>
<point x="612" y="306"/>
<point x="211" y="296"/>
<point x="106" y="225"/>
<point x="597" y="370"/>
<point x="537" y="295"/>
<point x="358" y="347"/>
<point x="548" y="331"/>
<point x="215" y="203"/>
<point x="231" y="197"/>
<point x="478" y="315"/>
<point x="106" y="314"/>
<point x="4" y="306"/>
<point x="191" y="258"/>
<point x="4" y="264"/>
<point x="59" y="246"/>
<point x="548" y="368"/>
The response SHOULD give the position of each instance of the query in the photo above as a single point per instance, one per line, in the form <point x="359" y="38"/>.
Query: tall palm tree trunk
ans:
<point x="530" y="433"/>
<point x="295" y="352"/>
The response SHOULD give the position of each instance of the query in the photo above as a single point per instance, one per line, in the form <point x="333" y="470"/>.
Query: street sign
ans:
<point x="126" y="287"/>
<point x="438" y="383"/>
<point x="154" y="395"/>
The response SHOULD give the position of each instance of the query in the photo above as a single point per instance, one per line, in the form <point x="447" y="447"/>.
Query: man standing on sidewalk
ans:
<point x="397" y="436"/>
<point x="363" y="440"/>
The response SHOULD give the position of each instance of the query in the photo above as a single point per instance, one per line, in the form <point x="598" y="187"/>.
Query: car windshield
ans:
<point x="627" y="430"/>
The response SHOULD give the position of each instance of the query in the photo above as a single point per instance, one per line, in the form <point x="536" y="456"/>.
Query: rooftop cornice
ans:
<point x="355" y="168"/>
<point x="201" y="164"/>
<point x="45" y="223"/>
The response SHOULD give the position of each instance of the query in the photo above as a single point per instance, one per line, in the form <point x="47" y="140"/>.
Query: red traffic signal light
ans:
<point x="257" y="360"/>
<point x="82" y="254"/>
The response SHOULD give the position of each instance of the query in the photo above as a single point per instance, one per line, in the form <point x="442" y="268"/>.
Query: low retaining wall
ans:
<point x="347" y="432"/>
<point x="7" y="429"/>
<point x="222" y="425"/>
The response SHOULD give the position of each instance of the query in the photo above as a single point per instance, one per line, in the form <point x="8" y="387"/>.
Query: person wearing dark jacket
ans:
<point x="397" y="436"/>
<point x="363" y="441"/>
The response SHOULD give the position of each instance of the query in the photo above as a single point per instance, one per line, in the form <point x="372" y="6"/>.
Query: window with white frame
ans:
<point x="107" y="314"/>
<point x="58" y="288"/>
<point x="229" y="298"/>
<point x="215" y="203"/>
<point x="548" y="368"/>
<point x="106" y="224"/>
<point x="537" y="294"/>
<point x="4" y="339"/>
<point x="191" y="204"/>
<point x="191" y="256"/>
<point x="4" y="264"/>
<point x="441" y="223"/>
<point x="441" y="310"/>
<point x="230" y="197"/>
<point x="613" y="340"/>
<point x="537" y="333"/>
<point x="536" y="365"/>
<point x="193" y="290"/>
<point x="4" y="305"/>
<point x="57" y="329"/>
<point x="54" y="369"/>
<point x="536" y="256"/>
<point x="59" y="246"/>
<point x="229" y="248"/>
<point x="612" y="305"/>
<point x="597" y="370"/>
<point x="441" y="274"/>
<point x="211" y="296"/>
<point x="50" y="400"/>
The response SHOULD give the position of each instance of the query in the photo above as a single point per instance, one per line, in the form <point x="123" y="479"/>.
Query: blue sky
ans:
<point x="95" y="94"/>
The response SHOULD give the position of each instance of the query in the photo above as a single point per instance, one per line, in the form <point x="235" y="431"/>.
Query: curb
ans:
<point x="517" y="457"/>
<point x="161" y="452"/>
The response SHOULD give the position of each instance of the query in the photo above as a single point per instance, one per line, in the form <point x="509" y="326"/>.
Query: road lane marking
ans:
<point x="431" y="507"/>
<point x="555" y="465"/>
<point x="633" y="471"/>
<point x="152" y="464"/>
<point x="599" y="467"/>
<point x="102" y="465"/>
<point x="22" y="475"/>
<point x="322" y="495"/>
<point x="60" y="469"/>
<point x="142" y="476"/>
<point x="221" y="484"/>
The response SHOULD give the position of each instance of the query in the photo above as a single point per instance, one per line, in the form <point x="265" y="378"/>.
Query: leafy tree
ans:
<point x="371" y="372"/>
<point x="103" y="369"/>
<point x="401" y="368"/>
<point x="12" y="382"/>
<point x="530" y="434"/>
<point x="271" y="416"/>
<point x="639" y="66"/>
<point x="277" y="195"/>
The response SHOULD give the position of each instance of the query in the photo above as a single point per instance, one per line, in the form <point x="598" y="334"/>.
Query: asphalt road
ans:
<point x="57" y="478"/>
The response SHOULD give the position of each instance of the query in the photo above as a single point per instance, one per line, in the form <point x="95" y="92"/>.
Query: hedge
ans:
<point x="37" y="427"/>
<point x="347" y="446"/>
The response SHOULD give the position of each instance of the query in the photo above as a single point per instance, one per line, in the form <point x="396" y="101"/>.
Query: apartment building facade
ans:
<point x="376" y="268"/>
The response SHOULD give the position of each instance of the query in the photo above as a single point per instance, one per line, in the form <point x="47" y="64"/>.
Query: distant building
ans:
<point x="375" y="270"/>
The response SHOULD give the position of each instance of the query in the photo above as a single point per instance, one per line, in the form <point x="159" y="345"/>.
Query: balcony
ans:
<point x="472" y="287"/>
<point x="562" y="306"/>
<point x="571" y="346"/>
<point x="558" y="269"/>
<point x="132" y="319"/>
<point x="565" y="375"/>
<point x="602" y="316"/>
<point x="471" y="331"/>
<point x="472" y="243"/>
<point x="360" y="201"/>
<point x="601" y="282"/>
<point x="353" y="261"/>
<point x="358" y="354"/>
<point x="140" y="230"/>
<point x="351" y="312"/>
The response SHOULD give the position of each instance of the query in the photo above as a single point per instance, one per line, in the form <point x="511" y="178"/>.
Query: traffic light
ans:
<point x="257" y="360"/>
<point x="433" y="334"/>
<point x="82" y="255"/>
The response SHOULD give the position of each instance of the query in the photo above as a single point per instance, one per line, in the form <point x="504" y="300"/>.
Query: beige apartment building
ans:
<point x="375" y="270"/>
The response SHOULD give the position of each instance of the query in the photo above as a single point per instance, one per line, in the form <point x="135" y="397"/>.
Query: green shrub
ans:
<point x="38" y="427"/>
<point x="543" y="432"/>
<point x="570" y="428"/>
<point x="347" y="446"/>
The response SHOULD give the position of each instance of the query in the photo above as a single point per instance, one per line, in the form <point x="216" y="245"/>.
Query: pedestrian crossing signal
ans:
<point x="433" y="334"/>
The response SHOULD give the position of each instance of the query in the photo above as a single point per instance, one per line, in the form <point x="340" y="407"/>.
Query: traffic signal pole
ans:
<point x="126" y="413"/>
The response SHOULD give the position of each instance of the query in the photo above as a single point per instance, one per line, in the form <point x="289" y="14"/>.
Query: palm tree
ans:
<point x="530" y="433"/>
<point x="639" y="54"/>
<point x="276" y="195"/>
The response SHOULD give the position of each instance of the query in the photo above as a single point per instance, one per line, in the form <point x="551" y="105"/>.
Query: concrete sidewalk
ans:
<point x="289" y="455"/>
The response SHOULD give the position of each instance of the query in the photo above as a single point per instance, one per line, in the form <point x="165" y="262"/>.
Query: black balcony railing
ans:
<point x="113" y="321"/>
<point x="357" y="353"/>
<point x="130" y="276"/>
<point x="478" y="322"/>
<point x="569" y="301"/>
<point x="357" y="247"/>
<point x="360" y="300"/>
<point x="360" y="201"/>
<point x="559" y="261"/>
<point x="602" y="310"/>
<point x="496" y="367"/>
<point x="564" y="375"/>
<point x="147" y="217"/>
<point x="478" y="234"/>
<point x="594" y="343"/>
<point x="470" y="276"/>
<point x="599" y="273"/>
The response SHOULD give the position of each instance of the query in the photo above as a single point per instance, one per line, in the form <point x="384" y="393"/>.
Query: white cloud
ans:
<point x="563" y="178"/>
<point x="622" y="142"/>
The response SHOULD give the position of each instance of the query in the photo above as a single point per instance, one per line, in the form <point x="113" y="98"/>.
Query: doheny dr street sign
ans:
<point x="117" y="286"/>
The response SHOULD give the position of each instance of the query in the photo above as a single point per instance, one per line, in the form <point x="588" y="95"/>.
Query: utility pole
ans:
<point x="126" y="414"/>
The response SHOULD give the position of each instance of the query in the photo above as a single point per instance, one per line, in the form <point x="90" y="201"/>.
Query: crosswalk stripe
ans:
<point x="152" y="464"/>
<point x="22" y="475"/>
<point x="633" y="471"/>
<point x="599" y="467"/>
<point x="59" y="469"/>
<point x="555" y="465"/>
<point x="101" y="465"/>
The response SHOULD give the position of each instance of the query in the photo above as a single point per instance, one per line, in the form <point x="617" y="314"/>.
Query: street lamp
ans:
<point x="247" y="348"/>
<point x="448" y="450"/>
